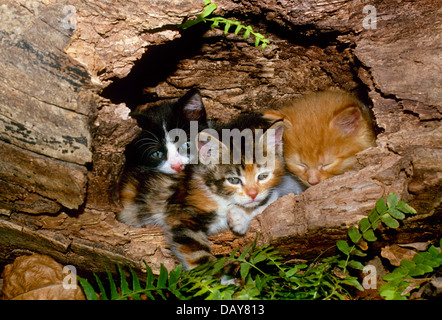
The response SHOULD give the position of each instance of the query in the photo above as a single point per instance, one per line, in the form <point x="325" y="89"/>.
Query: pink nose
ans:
<point x="314" y="176"/>
<point x="177" y="167"/>
<point x="252" y="193"/>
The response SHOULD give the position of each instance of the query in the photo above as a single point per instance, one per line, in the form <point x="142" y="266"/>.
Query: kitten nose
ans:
<point x="252" y="193"/>
<point x="314" y="177"/>
<point x="177" y="166"/>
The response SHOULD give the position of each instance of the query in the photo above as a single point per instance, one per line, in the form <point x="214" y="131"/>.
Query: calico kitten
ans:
<point x="249" y="183"/>
<point x="323" y="132"/>
<point x="154" y="148"/>
<point x="217" y="195"/>
<point x="209" y="196"/>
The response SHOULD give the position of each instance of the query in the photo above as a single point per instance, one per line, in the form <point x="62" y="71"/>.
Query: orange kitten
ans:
<point x="323" y="133"/>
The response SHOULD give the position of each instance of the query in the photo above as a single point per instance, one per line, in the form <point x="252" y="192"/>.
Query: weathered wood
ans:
<point x="38" y="85"/>
<point x="60" y="181"/>
<point x="61" y="148"/>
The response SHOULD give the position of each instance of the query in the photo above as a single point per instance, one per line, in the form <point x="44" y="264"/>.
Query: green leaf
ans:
<point x="425" y="267"/>
<point x="201" y="291"/>
<point x="227" y="27"/>
<point x="392" y="200"/>
<point x="189" y="23"/>
<point x="174" y="275"/>
<point x="405" y="208"/>
<point x="216" y="295"/>
<point x="113" y="288"/>
<point x="373" y="216"/>
<point x="343" y="246"/>
<point x="243" y="254"/>
<point x="291" y="272"/>
<point x="232" y="255"/>
<point x="214" y="24"/>
<point x="395" y="275"/>
<point x="408" y="264"/>
<point x="358" y="253"/>
<point x="258" y="38"/>
<point x="247" y="32"/>
<point x="101" y="287"/>
<point x="149" y="278"/>
<point x="260" y="257"/>
<point x="418" y="271"/>
<point x="435" y="252"/>
<point x="430" y="260"/>
<point x="390" y="293"/>
<point x="381" y="207"/>
<point x="397" y="214"/>
<point x="124" y="286"/>
<point x="369" y="235"/>
<point x="364" y="224"/>
<point x="354" y="234"/>
<point x="390" y="221"/>
<point x="244" y="270"/>
<point x="238" y="29"/>
<point x="355" y="265"/>
<point x="136" y="286"/>
<point x="162" y="278"/>
<point x="88" y="290"/>
<point x="353" y="282"/>
<point x="208" y="10"/>
<point x="218" y="266"/>
<point x="418" y="258"/>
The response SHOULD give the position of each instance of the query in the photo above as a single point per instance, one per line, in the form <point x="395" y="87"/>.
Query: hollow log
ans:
<point x="73" y="70"/>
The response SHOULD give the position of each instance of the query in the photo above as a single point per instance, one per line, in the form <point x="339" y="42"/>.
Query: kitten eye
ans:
<point x="263" y="176"/>
<point x="157" y="155"/>
<point x="234" y="180"/>
<point x="301" y="166"/>
<point x="327" y="165"/>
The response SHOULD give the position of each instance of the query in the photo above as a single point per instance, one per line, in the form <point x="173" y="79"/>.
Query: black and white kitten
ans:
<point x="154" y="162"/>
<point x="154" y="148"/>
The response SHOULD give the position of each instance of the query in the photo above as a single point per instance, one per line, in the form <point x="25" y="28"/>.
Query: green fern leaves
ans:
<point x="387" y="213"/>
<point x="216" y="22"/>
<point x="404" y="278"/>
<point x="152" y="289"/>
<point x="262" y="273"/>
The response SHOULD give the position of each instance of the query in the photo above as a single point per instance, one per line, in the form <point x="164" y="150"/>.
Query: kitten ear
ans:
<point x="275" y="115"/>
<point x="347" y="121"/>
<point x="275" y="141"/>
<point x="192" y="104"/>
<point x="210" y="147"/>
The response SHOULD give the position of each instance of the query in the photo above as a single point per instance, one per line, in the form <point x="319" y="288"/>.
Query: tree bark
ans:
<point x="71" y="71"/>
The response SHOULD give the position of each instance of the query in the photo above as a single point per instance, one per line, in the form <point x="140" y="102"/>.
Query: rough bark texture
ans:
<point x="62" y="143"/>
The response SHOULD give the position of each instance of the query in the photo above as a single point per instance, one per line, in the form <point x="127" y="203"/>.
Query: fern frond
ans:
<point x="216" y="21"/>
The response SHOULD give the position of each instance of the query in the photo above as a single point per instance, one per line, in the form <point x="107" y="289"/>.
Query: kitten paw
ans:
<point x="239" y="221"/>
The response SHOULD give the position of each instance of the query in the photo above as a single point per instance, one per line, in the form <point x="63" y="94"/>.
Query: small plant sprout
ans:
<point x="217" y="22"/>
